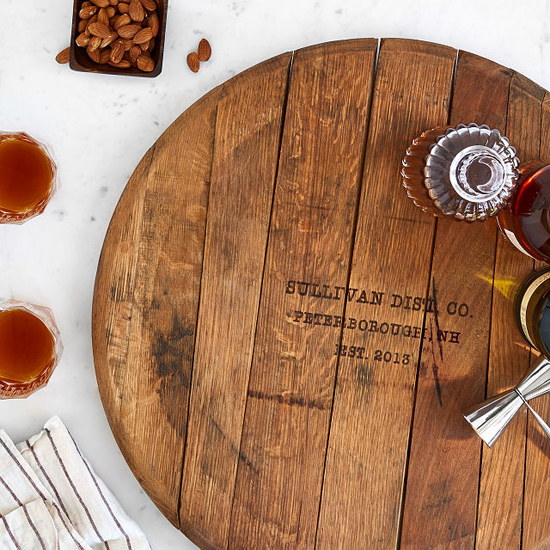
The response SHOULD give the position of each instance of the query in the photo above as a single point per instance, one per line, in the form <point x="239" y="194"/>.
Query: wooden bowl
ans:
<point x="80" y="61"/>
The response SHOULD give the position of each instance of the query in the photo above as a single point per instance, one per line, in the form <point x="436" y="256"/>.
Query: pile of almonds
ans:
<point x="120" y="33"/>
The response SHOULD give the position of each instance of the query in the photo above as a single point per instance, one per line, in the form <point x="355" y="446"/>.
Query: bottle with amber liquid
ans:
<point x="30" y="348"/>
<point x="28" y="177"/>
<point x="526" y="221"/>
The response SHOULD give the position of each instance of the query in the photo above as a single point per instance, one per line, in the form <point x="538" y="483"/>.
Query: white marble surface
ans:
<point x="101" y="126"/>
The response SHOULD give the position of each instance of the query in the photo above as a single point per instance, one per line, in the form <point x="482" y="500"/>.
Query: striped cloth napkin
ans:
<point x="51" y="499"/>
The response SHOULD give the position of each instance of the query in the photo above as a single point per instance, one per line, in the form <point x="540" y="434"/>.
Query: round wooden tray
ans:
<point x="284" y="344"/>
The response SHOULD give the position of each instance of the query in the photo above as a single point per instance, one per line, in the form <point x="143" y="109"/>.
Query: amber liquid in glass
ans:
<point x="26" y="175"/>
<point x="526" y="221"/>
<point x="27" y="351"/>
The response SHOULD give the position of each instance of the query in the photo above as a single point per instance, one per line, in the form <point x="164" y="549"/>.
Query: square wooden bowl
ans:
<point x="81" y="62"/>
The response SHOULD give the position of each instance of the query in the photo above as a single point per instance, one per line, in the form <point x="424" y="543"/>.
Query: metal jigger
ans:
<point x="490" y="418"/>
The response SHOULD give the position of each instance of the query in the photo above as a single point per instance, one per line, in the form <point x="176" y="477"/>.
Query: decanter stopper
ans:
<point x="490" y="418"/>
<point x="466" y="173"/>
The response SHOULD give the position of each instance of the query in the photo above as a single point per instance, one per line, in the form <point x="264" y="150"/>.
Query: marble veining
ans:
<point x="100" y="127"/>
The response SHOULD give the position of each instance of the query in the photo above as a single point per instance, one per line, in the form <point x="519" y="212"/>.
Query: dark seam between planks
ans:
<point x="481" y="450"/>
<point x="421" y="343"/>
<point x="184" y="450"/>
<point x="350" y="264"/>
<point x="275" y="178"/>
<point x="530" y="359"/>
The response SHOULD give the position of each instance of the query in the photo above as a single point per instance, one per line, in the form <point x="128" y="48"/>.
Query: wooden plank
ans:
<point x="370" y="427"/>
<point x="248" y="127"/>
<point x="442" y="481"/>
<point x="502" y="469"/>
<point x="290" y="392"/>
<point x="536" y="528"/>
<point x="146" y="301"/>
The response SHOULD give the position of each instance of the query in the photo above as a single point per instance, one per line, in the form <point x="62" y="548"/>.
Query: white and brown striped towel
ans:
<point x="51" y="499"/>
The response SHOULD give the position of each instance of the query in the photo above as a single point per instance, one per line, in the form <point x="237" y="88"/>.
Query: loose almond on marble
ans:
<point x="193" y="62"/>
<point x="204" y="50"/>
<point x="64" y="56"/>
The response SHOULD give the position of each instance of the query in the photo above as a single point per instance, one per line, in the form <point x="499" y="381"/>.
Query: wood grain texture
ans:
<point x="146" y="300"/>
<point x="248" y="126"/>
<point x="374" y="398"/>
<point x="292" y="377"/>
<point x="500" y="504"/>
<point x="264" y="333"/>
<point x="441" y="494"/>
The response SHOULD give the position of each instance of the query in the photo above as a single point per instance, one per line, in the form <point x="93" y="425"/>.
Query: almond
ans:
<point x="85" y="4"/>
<point x="111" y="12"/>
<point x="205" y="50"/>
<point x="113" y="2"/>
<point x="94" y="55"/>
<point x="64" y="56"/>
<point x="82" y="25"/>
<point x="94" y="44"/>
<point x="122" y="64"/>
<point x="153" y="23"/>
<point x="83" y="40"/>
<point x="149" y="5"/>
<point x="135" y="52"/>
<point x="151" y="45"/>
<point x="136" y="11"/>
<point x="128" y="31"/>
<point x="193" y="62"/>
<point x="144" y="35"/>
<point x="145" y="63"/>
<point x="100" y="3"/>
<point x="127" y="43"/>
<point x="123" y="7"/>
<point x="99" y="29"/>
<point x="87" y="12"/>
<point x="122" y="20"/>
<point x="102" y="16"/>
<point x="144" y="46"/>
<point x="117" y="52"/>
<point x="105" y="56"/>
<point x="109" y="40"/>
<point x="89" y="22"/>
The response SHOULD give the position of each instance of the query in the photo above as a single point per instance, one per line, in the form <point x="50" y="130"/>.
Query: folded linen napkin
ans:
<point x="50" y="498"/>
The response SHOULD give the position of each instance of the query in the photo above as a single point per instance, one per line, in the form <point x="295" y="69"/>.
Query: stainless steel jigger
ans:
<point x="490" y="418"/>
